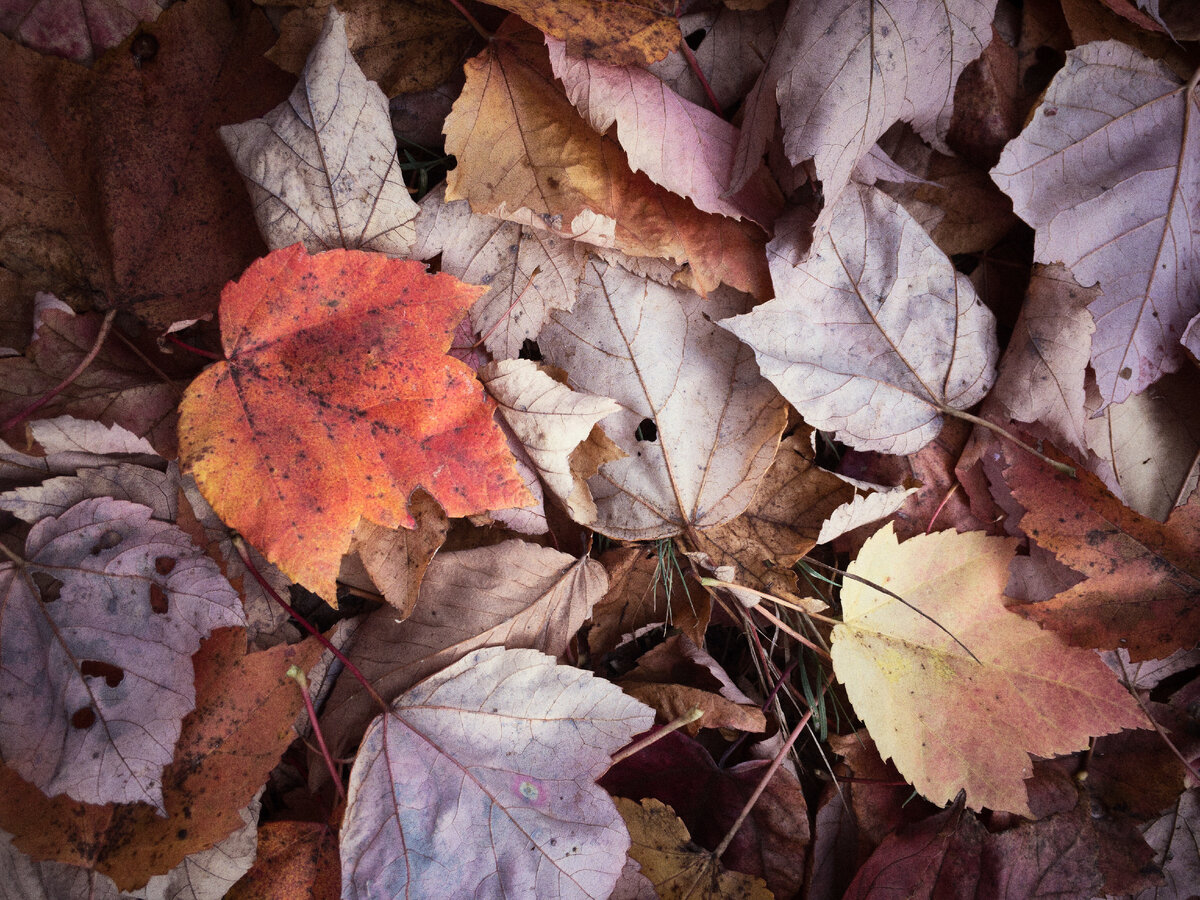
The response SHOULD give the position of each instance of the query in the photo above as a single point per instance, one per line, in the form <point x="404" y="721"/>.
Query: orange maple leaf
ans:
<point x="335" y="402"/>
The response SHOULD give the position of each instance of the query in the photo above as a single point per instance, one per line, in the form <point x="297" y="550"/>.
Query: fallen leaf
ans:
<point x="679" y="145"/>
<point x="100" y="625"/>
<point x="242" y="723"/>
<point x="949" y="720"/>
<point x="560" y="175"/>
<point x="677" y="868"/>
<point x="395" y="559"/>
<point x="772" y="841"/>
<point x="137" y="484"/>
<point x="874" y="336"/>
<point x="321" y="167"/>
<point x="1174" y="838"/>
<point x="344" y="349"/>
<point x="295" y="861"/>
<point x="1142" y="576"/>
<point x="550" y="420"/>
<point x="404" y="47"/>
<point x="843" y="73"/>
<point x="496" y="758"/>
<point x="118" y="388"/>
<point x="989" y="106"/>
<point x="204" y="875"/>
<point x="514" y="593"/>
<point x="1105" y="172"/>
<point x="126" y="197"/>
<point x="78" y="32"/>
<point x="529" y="272"/>
<point x="714" y="423"/>
<point x="624" y="34"/>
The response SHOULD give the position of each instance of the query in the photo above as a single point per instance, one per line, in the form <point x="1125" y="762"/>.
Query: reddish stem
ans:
<point x="483" y="32"/>
<point x="183" y="345"/>
<point x="696" y="70"/>
<point x="105" y="327"/>
<point x="240" y="544"/>
<point x="299" y="677"/>
<point x="937" y="512"/>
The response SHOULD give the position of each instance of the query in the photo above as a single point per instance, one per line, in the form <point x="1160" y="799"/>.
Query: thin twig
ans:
<point x="1162" y="734"/>
<point x="1004" y="433"/>
<point x="297" y="675"/>
<point x="674" y="725"/>
<point x="244" y="553"/>
<point x="474" y="23"/>
<point x="105" y="327"/>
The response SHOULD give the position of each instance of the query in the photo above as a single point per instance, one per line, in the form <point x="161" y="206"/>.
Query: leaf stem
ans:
<point x="184" y="345"/>
<point x="675" y="724"/>
<point x="1162" y="734"/>
<point x="240" y="543"/>
<point x="1004" y="433"/>
<point x="297" y="675"/>
<point x="474" y="23"/>
<point x="105" y="327"/>
<point x="699" y="73"/>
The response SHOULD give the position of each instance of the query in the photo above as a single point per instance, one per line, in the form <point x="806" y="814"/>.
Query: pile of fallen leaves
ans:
<point x="766" y="466"/>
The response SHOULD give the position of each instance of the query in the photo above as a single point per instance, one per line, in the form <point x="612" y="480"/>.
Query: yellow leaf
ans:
<point x="951" y="722"/>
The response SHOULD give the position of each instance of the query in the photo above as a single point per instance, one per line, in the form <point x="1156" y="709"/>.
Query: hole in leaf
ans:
<point x="143" y="49"/>
<point x="696" y="38"/>
<point x="163" y="565"/>
<point x="95" y="668"/>
<point x="646" y="431"/>
<point x="158" y="599"/>
<point x="107" y="541"/>
<point x="83" y="718"/>
<point x="48" y="586"/>
<point x="530" y="350"/>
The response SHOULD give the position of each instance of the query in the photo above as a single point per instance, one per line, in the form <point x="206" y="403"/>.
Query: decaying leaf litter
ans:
<point x="732" y="380"/>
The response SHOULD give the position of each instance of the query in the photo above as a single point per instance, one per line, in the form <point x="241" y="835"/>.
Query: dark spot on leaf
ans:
<point x="107" y="541"/>
<point x="552" y="182"/>
<point x="48" y="586"/>
<point x="163" y="565"/>
<point x="646" y="431"/>
<point x="158" y="599"/>
<point x="143" y="49"/>
<point x="83" y="718"/>
<point x="95" y="668"/>
<point x="182" y="834"/>
<point x="1125" y="373"/>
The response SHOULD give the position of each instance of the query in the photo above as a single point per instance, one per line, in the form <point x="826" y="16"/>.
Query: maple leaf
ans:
<point x="559" y="174"/>
<point x="245" y="707"/>
<point x="953" y="720"/>
<point x="624" y="34"/>
<point x="874" y="334"/>
<point x="108" y="608"/>
<point x="655" y="351"/>
<point x="512" y="744"/>
<point x="335" y="402"/>
<point x="321" y="167"/>
<point x="1106" y="172"/>
<point x="842" y="73"/>
<point x="1142" y="576"/>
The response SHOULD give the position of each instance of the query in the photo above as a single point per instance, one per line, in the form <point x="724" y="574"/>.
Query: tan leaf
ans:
<point x="1107" y="173"/>
<point x="626" y="34"/>
<point x="528" y="271"/>
<point x="550" y="420"/>
<point x="677" y="867"/>
<point x="874" y="335"/>
<point x="951" y="721"/>
<point x="514" y="593"/>
<point x="697" y="423"/>
<point x="525" y="155"/>
<point x="321" y="168"/>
